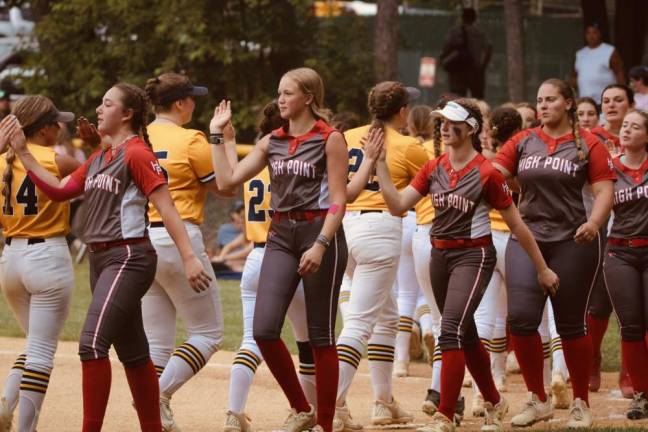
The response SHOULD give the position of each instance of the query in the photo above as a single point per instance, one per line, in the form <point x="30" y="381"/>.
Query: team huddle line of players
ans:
<point x="349" y="221"/>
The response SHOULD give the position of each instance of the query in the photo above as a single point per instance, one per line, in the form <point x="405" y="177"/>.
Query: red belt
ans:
<point x="96" y="247"/>
<point x="633" y="243"/>
<point x="299" y="215"/>
<point x="462" y="243"/>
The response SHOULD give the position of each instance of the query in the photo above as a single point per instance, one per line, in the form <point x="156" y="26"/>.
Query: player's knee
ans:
<point x="207" y="344"/>
<point x="522" y="325"/>
<point x="570" y="330"/>
<point x="90" y="349"/>
<point x="632" y="333"/>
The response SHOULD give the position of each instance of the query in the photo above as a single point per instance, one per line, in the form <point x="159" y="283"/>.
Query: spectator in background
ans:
<point x="639" y="83"/>
<point x="465" y="56"/>
<point x="234" y="247"/>
<point x="598" y="64"/>
<point x="5" y="104"/>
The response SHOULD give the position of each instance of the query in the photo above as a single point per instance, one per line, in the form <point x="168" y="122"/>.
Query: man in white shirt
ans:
<point x="597" y="65"/>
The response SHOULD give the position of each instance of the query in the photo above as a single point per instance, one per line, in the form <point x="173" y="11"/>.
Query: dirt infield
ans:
<point x="201" y="404"/>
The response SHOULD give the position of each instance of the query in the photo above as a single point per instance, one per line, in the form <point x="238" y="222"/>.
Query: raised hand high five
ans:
<point x="222" y="116"/>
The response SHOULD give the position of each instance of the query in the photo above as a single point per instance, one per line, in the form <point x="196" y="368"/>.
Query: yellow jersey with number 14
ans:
<point x="185" y="158"/>
<point x="405" y="157"/>
<point x="29" y="213"/>
<point x="258" y="214"/>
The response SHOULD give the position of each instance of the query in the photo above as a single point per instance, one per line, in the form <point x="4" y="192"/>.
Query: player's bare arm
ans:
<point x="397" y="201"/>
<point x="603" y="198"/>
<point x="226" y="175"/>
<point x="337" y="173"/>
<point x="546" y="277"/>
<point x="372" y="147"/>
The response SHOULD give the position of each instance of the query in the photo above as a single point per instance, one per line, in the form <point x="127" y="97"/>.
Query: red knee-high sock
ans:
<point x="453" y="366"/>
<point x="281" y="365"/>
<point x="579" y="357"/>
<point x="528" y="350"/>
<point x="478" y="362"/>
<point x="326" y="379"/>
<point x="95" y="382"/>
<point x="145" y="388"/>
<point x="635" y="354"/>
<point x="596" y="328"/>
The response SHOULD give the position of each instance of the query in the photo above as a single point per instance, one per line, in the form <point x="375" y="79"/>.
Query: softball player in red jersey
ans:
<point x="117" y="180"/>
<point x="553" y="164"/>
<point x="616" y="100"/>
<point x="306" y="242"/>
<point x="463" y="185"/>
<point x="185" y="158"/>
<point x="626" y="261"/>
<point x="587" y="111"/>
<point x="36" y="273"/>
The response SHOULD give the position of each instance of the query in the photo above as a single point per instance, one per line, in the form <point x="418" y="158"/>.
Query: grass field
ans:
<point x="230" y="295"/>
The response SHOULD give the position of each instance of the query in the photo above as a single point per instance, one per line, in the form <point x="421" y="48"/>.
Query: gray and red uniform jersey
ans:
<point x="462" y="199"/>
<point x="611" y="141"/>
<point x="300" y="198"/>
<point x="117" y="187"/>
<point x="298" y="169"/>
<point x="630" y="201"/>
<point x="552" y="178"/>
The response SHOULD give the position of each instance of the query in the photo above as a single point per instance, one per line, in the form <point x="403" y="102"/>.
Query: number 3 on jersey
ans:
<point x="355" y="160"/>
<point x="25" y="195"/>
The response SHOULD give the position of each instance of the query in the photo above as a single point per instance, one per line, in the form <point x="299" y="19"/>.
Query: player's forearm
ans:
<point x="603" y="201"/>
<point x="174" y="225"/>
<point x="32" y="166"/>
<point x="360" y="179"/>
<point x="222" y="168"/>
<point x="389" y="192"/>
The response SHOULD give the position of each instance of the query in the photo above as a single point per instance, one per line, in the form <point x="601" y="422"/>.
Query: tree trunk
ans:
<point x="514" y="50"/>
<point x="386" y="41"/>
<point x="595" y="11"/>
<point x="630" y="31"/>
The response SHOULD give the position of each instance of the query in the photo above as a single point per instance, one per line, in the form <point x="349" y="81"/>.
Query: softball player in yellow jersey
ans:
<point x="36" y="273"/>
<point x="185" y="157"/>
<point x="374" y="241"/>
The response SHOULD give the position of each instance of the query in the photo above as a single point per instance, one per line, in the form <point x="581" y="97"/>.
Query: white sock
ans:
<point x="558" y="357"/>
<point x="403" y="345"/>
<point x="349" y="355"/>
<point x="380" y="353"/>
<point x="12" y="383"/>
<point x="498" y="363"/>
<point x="244" y="367"/>
<point x="185" y="362"/>
<point x="307" y="372"/>
<point x="436" y="369"/>
<point x="33" y="387"/>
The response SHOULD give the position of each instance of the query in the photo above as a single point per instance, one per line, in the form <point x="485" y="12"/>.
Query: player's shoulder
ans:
<point x="137" y="147"/>
<point x="354" y="135"/>
<point x="590" y="139"/>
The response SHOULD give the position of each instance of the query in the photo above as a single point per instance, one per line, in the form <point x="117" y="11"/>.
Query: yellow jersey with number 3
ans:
<point x="405" y="157"/>
<point x="185" y="157"/>
<point x="29" y="213"/>
<point x="258" y="214"/>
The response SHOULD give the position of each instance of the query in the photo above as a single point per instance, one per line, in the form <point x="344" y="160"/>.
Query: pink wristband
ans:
<point x="70" y="190"/>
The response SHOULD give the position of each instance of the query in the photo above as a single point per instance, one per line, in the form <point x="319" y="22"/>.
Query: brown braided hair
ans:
<point x="419" y="122"/>
<point x="505" y="122"/>
<point x="567" y="92"/>
<point x="269" y="119"/>
<point x="162" y="91"/>
<point x="28" y="110"/>
<point x="385" y="100"/>
<point x="135" y="98"/>
<point x="436" y="133"/>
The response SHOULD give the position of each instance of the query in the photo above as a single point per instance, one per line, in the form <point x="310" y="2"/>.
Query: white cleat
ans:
<point x="401" y="369"/>
<point x="389" y="413"/>
<point x="560" y="392"/>
<point x="439" y="423"/>
<point x="580" y="415"/>
<point x="343" y="422"/>
<point x="493" y="415"/>
<point x="237" y="422"/>
<point x="6" y="416"/>
<point x="533" y="412"/>
<point x="166" y="415"/>
<point x="298" y="422"/>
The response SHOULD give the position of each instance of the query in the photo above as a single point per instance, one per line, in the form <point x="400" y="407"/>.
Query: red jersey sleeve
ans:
<point x="421" y="182"/>
<point x="600" y="166"/>
<point x="496" y="191"/>
<point x="507" y="156"/>
<point x="144" y="167"/>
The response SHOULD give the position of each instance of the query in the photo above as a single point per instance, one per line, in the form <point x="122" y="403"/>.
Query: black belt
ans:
<point x="259" y="245"/>
<point x="30" y="241"/>
<point x="157" y="224"/>
<point x="370" y="211"/>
